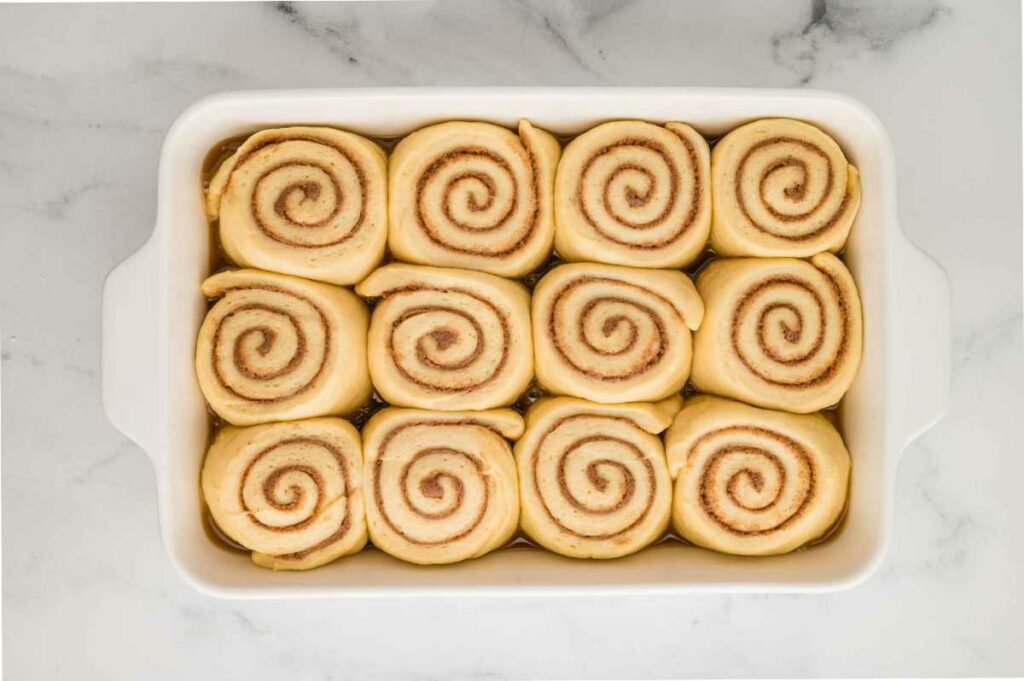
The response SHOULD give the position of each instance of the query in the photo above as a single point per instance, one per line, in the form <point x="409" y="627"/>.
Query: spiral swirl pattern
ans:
<point x="779" y="333"/>
<point x="634" y="193"/>
<point x="610" y="333"/>
<point x="473" y="195"/>
<point x="272" y="348"/>
<point x="781" y="188"/>
<point x="290" y="492"/>
<point x="441" y="486"/>
<point x="303" y="201"/>
<point x="448" y="339"/>
<point x="752" y="481"/>
<point x="593" y="478"/>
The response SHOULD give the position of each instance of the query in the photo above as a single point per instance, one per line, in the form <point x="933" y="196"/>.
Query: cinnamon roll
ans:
<point x="440" y="486"/>
<point x="277" y="348"/>
<point x="754" y="482"/>
<point x="614" y="334"/>
<point x="778" y="332"/>
<point x="448" y="339"/>
<point x="473" y="195"/>
<point x="634" y="193"/>
<point x="289" y="492"/>
<point x="781" y="188"/>
<point x="304" y="201"/>
<point x="592" y="477"/>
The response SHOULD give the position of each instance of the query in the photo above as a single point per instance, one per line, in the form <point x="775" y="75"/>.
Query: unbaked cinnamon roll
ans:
<point x="592" y="477"/>
<point x="778" y="332"/>
<point x="440" y="486"/>
<point x="289" y="492"/>
<point x="448" y="339"/>
<point x="304" y="201"/>
<point x="634" y="193"/>
<point x="754" y="482"/>
<point x="614" y="334"/>
<point x="277" y="348"/>
<point x="781" y="187"/>
<point x="473" y="195"/>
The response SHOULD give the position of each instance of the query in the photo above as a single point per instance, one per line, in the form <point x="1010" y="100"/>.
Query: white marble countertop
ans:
<point x="86" y="93"/>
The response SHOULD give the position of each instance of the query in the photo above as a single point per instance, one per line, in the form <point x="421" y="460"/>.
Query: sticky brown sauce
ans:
<point x="219" y="261"/>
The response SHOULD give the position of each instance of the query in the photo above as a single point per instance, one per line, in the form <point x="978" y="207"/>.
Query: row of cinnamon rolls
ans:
<point x="324" y="204"/>
<point x="775" y="332"/>
<point x="582" y="479"/>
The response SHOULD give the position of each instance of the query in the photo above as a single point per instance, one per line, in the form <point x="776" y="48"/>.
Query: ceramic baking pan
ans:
<point x="152" y="309"/>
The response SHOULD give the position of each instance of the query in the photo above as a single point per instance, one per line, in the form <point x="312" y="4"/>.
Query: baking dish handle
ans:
<point x="129" y="341"/>
<point x="921" y="328"/>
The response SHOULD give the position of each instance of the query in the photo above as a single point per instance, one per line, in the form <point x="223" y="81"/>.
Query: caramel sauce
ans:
<point x="219" y="261"/>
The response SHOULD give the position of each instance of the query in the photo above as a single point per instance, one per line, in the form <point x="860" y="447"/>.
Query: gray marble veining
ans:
<point x="86" y="93"/>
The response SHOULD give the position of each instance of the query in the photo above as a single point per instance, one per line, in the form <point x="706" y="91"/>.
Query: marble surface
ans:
<point x="86" y="93"/>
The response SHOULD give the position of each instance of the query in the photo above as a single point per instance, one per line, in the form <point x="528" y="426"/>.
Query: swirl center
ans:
<point x="286" y="497"/>
<point x="298" y="201"/>
<point x="441" y="486"/>
<point x="599" y="473"/>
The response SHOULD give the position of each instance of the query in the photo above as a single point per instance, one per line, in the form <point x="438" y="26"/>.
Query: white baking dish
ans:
<point x="152" y="309"/>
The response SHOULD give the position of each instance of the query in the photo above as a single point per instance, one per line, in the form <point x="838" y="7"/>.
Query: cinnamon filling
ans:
<point x="657" y="346"/>
<point x="791" y="334"/>
<point x="444" y="337"/>
<point x="508" y="218"/>
<point x="791" y="450"/>
<point x="794" y="192"/>
<point x="430" y="485"/>
<point x="270" y="494"/>
<point x="310" y="190"/>
<point x="636" y="199"/>
<point x="594" y="477"/>
<point x="268" y="337"/>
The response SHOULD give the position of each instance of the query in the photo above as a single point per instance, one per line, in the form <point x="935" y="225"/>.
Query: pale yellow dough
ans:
<point x="440" y="486"/>
<point x="473" y="195"/>
<point x="277" y="348"/>
<point x="778" y="332"/>
<point x="751" y="481"/>
<point x="448" y="339"/>
<point x="614" y="334"/>
<point x="291" y="492"/>
<point x="634" y="193"/>
<point x="781" y="187"/>
<point x="592" y="477"/>
<point x="311" y="202"/>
